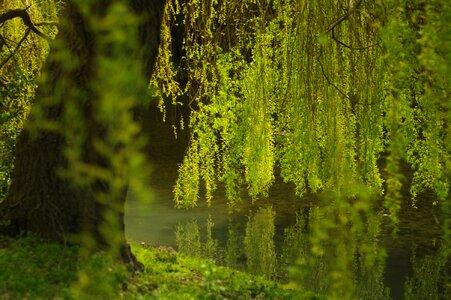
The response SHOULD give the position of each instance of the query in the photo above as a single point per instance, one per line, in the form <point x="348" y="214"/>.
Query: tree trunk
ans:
<point x="40" y="200"/>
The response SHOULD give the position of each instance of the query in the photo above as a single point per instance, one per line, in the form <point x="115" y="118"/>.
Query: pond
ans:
<point x="363" y="260"/>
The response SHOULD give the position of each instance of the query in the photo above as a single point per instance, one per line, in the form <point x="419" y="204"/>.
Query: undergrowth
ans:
<point x="35" y="269"/>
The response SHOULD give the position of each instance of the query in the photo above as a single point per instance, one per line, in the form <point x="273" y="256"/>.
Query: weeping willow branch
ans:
<point x="22" y="13"/>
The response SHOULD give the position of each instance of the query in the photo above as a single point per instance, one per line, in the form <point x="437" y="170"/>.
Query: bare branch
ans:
<point x="346" y="16"/>
<point x="22" y="13"/>
<point x="351" y="98"/>
<point x="351" y="10"/>
<point x="327" y="78"/>
<point x="43" y="23"/>
<point x="15" y="49"/>
<point x="348" y="46"/>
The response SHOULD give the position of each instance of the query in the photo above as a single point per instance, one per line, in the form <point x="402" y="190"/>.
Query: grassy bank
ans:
<point x="33" y="269"/>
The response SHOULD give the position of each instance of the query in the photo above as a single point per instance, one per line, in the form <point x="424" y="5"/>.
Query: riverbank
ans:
<point x="34" y="269"/>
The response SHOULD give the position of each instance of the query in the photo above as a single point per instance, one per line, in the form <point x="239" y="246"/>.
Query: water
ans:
<point x="266" y="237"/>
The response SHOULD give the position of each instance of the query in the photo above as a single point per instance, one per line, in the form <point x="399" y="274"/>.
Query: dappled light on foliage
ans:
<point x="346" y="102"/>
<point x="328" y="92"/>
<point x="22" y="54"/>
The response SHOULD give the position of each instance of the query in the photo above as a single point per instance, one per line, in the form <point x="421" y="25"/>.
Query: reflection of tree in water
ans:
<point x="430" y="279"/>
<point x="296" y="243"/>
<point x="259" y="243"/>
<point x="256" y="250"/>
<point x="210" y="246"/>
<point x="189" y="242"/>
<point x="187" y="236"/>
<point x="335" y="251"/>
<point x="233" y="250"/>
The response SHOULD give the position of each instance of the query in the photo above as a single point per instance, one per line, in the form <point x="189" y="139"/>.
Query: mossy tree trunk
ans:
<point x="42" y="201"/>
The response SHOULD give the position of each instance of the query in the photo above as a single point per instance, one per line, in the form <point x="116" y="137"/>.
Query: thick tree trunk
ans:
<point x="41" y="201"/>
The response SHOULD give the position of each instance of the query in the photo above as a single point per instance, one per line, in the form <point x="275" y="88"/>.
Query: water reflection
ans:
<point x="431" y="276"/>
<point x="348" y="266"/>
<point x="342" y="249"/>
<point x="188" y="240"/>
<point x="259" y="243"/>
<point x="335" y="250"/>
<point x="187" y="236"/>
<point x="233" y="256"/>
<point x="340" y="254"/>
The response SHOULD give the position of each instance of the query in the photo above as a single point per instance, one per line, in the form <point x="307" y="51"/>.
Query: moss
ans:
<point x="35" y="269"/>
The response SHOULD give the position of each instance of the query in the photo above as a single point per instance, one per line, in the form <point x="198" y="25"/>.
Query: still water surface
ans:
<point x="264" y="238"/>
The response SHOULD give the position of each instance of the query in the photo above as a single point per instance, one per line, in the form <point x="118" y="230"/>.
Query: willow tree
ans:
<point x="76" y="152"/>
<point x="345" y="98"/>
<point x="324" y="91"/>
<point x="337" y="94"/>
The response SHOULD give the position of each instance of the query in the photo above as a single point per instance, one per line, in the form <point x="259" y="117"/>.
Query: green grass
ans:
<point x="33" y="269"/>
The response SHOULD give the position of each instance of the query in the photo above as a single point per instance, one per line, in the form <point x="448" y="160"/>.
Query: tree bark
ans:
<point x="40" y="200"/>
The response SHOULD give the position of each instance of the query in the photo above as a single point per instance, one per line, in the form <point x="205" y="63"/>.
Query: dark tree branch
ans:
<point x="27" y="32"/>
<point x="2" y="43"/>
<point x="351" y="97"/>
<point x="22" y="13"/>
<point x="327" y="78"/>
<point x="348" y="46"/>
<point x="51" y="23"/>
<point x="346" y="16"/>
<point x="340" y="20"/>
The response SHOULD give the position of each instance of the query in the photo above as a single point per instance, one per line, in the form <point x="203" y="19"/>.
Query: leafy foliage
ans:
<point x="338" y="95"/>
<point x="345" y="98"/>
<point x="271" y="99"/>
<point x="330" y="93"/>
<point x="16" y="97"/>
<point x="21" y="57"/>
